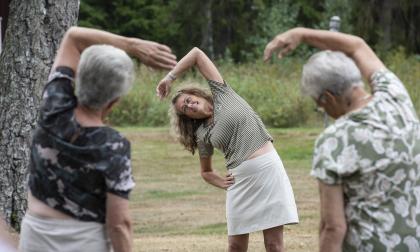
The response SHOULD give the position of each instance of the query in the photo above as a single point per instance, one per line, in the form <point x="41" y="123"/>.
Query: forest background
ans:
<point x="234" y="34"/>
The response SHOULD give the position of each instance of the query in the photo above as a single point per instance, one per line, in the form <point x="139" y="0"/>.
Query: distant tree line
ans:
<point x="238" y="29"/>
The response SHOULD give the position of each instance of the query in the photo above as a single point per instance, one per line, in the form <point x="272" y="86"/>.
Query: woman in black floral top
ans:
<point x="80" y="171"/>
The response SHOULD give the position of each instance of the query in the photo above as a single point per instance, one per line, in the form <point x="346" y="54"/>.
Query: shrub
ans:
<point x="271" y="89"/>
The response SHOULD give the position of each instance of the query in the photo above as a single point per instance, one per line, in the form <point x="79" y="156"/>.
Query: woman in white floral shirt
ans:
<point x="367" y="162"/>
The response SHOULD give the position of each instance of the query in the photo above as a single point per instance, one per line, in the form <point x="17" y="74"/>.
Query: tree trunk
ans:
<point x="34" y="31"/>
<point x="385" y="20"/>
<point x="207" y="29"/>
<point x="4" y="11"/>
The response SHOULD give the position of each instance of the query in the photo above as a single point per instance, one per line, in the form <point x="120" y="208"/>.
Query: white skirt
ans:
<point x="64" y="235"/>
<point x="261" y="197"/>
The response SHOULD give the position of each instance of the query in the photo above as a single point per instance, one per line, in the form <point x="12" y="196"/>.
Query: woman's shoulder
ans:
<point x="217" y="87"/>
<point x="107" y="137"/>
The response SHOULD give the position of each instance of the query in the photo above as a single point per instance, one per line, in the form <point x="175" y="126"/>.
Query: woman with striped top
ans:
<point x="259" y="194"/>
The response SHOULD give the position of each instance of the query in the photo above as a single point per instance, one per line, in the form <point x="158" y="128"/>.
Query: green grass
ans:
<point x="171" y="202"/>
<point x="161" y="194"/>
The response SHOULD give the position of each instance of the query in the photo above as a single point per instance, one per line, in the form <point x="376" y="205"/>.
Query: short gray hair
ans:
<point x="332" y="71"/>
<point x="104" y="74"/>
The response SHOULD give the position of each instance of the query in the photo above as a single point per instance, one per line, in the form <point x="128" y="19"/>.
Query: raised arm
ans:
<point x="195" y="57"/>
<point x="353" y="46"/>
<point x="76" y="39"/>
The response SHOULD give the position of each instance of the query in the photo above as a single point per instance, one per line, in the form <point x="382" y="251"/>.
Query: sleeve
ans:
<point x="324" y="166"/>
<point x="386" y="81"/>
<point x="218" y="88"/>
<point x="336" y="154"/>
<point x="58" y="99"/>
<point x="387" y="85"/>
<point x="205" y="149"/>
<point x="118" y="177"/>
<point x="343" y="151"/>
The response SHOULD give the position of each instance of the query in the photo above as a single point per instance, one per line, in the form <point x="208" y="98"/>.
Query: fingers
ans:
<point x="268" y="52"/>
<point x="229" y="180"/>
<point x="164" y="48"/>
<point x="229" y="176"/>
<point x="162" y="60"/>
<point x="160" y="65"/>
<point x="284" y="51"/>
<point x="166" y="56"/>
<point x="162" y="89"/>
<point x="156" y="55"/>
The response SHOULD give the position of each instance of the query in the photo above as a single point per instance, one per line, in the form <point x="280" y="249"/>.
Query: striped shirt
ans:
<point x="236" y="129"/>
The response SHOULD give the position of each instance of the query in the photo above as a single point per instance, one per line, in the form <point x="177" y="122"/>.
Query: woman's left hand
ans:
<point x="164" y="87"/>
<point x="283" y="43"/>
<point x="228" y="181"/>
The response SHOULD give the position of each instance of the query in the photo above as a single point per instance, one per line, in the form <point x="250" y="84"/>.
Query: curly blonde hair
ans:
<point x="183" y="127"/>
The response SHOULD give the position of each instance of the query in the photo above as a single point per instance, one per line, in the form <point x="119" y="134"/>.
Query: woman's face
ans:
<point x="193" y="106"/>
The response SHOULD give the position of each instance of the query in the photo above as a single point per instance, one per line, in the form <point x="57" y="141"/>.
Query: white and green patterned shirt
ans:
<point x="374" y="153"/>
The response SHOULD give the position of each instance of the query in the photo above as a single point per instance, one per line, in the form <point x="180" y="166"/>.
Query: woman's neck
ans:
<point x="89" y="118"/>
<point x="359" y="98"/>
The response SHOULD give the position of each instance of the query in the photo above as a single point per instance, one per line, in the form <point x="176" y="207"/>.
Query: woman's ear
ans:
<point x="329" y="98"/>
<point x="109" y="107"/>
<point x="112" y="103"/>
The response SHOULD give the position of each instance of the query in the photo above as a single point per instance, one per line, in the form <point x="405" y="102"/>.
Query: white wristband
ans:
<point x="171" y="76"/>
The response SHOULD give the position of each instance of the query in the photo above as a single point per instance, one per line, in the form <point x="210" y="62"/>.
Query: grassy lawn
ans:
<point x="175" y="210"/>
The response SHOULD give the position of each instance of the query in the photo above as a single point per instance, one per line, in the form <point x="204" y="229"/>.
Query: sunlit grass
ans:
<point x="172" y="203"/>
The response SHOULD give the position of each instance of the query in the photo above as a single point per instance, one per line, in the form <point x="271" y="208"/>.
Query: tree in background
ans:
<point x="236" y="29"/>
<point x="221" y="27"/>
<point x="33" y="33"/>
<point x="387" y="24"/>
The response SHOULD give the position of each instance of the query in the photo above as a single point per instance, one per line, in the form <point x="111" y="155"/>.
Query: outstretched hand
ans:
<point x="153" y="54"/>
<point x="283" y="44"/>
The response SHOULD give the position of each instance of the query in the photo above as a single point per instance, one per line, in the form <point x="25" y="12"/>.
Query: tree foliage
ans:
<point x="239" y="29"/>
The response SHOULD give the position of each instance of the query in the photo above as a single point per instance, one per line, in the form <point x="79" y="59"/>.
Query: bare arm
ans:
<point x="333" y="221"/>
<point x="212" y="178"/>
<point x="353" y="46"/>
<point x="76" y="39"/>
<point x="195" y="57"/>
<point x="118" y="223"/>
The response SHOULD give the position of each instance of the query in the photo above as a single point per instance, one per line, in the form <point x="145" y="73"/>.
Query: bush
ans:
<point x="271" y="89"/>
<point x="141" y="106"/>
<point x="407" y="69"/>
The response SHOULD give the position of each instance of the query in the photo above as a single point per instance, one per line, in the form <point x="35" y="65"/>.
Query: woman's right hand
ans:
<point x="152" y="54"/>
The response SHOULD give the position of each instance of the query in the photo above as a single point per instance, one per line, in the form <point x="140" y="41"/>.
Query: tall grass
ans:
<point x="271" y="89"/>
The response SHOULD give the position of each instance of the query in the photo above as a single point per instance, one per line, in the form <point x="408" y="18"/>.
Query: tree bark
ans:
<point x="34" y="31"/>
<point x="4" y="11"/>
<point x="385" y="20"/>
<point x="207" y="29"/>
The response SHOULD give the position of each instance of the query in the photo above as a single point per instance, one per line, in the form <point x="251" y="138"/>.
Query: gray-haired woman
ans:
<point x="368" y="161"/>
<point x="259" y="194"/>
<point x="80" y="171"/>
